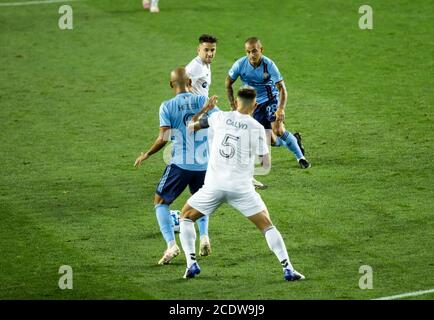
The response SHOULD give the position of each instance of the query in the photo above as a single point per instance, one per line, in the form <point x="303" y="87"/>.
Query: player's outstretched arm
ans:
<point x="230" y="92"/>
<point x="160" y="142"/>
<point x="280" y="112"/>
<point x="209" y="105"/>
<point x="202" y="123"/>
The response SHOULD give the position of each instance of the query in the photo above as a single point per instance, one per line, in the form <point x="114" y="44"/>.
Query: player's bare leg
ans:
<point x="275" y="243"/>
<point x="166" y="228"/>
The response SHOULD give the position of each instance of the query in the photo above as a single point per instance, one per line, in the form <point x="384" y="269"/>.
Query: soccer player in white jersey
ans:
<point x="237" y="139"/>
<point x="199" y="69"/>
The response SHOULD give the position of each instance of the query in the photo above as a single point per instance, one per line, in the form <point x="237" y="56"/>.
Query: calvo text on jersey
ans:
<point x="236" y="124"/>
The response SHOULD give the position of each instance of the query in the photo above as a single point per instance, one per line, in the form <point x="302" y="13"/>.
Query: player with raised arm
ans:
<point x="199" y="71"/>
<point x="260" y="72"/>
<point x="237" y="139"/>
<point x="189" y="154"/>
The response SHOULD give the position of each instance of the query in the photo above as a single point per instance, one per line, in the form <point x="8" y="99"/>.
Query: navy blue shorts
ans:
<point x="175" y="180"/>
<point x="264" y="113"/>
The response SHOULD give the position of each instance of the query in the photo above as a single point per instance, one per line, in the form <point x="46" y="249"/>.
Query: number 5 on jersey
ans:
<point x="230" y="143"/>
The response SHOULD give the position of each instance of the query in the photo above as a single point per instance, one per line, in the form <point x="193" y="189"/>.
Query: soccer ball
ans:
<point x="175" y="214"/>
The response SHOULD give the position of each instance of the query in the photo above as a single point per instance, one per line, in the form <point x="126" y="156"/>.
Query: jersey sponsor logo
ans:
<point x="204" y="85"/>
<point x="236" y="124"/>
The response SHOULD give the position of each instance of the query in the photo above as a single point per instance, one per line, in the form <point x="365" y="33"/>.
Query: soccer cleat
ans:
<point x="297" y="135"/>
<point x="146" y="4"/>
<point x="304" y="164"/>
<point x="258" y="185"/>
<point x="205" y="246"/>
<point x="154" y="9"/>
<point x="169" y="255"/>
<point x="191" y="272"/>
<point x="292" y="275"/>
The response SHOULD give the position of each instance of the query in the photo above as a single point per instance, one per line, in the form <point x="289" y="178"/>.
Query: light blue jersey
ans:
<point x="263" y="78"/>
<point x="189" y="149"/>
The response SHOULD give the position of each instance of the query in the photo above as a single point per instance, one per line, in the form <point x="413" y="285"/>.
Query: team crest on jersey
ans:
<point x="266" y="75"/>
<point x="204" y="85"/>
<point x="187" y="118"/>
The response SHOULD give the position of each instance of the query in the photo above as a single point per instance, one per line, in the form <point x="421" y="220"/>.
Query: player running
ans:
<point x="237" y="139"/>
<point x="260" y="72"/>
<point x="152" y="5"/>
<point x="189" y="154"/>
<point x="199" y="71"/>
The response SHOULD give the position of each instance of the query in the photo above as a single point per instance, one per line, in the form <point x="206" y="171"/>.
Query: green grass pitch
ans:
<point x="77" y="107"/>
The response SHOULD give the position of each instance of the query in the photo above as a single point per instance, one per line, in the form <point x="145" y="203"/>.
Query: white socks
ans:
<point x="276" y="244"/>
<point x="154" y="3"/>
<point x="272" y="236"/>
<point x="187" y="235"/>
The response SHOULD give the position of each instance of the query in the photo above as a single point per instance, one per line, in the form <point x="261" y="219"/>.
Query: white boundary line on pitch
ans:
<point x="405" y="295"/>
<point x="28" y="3"/>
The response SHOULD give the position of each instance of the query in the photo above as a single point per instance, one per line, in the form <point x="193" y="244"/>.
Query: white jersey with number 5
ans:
<point x="236" y="139"/>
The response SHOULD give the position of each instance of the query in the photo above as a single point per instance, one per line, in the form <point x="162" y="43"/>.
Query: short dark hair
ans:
<point x="247" y="92"/>
<point x="207" y="38"/>
<point x="252" y="40"/>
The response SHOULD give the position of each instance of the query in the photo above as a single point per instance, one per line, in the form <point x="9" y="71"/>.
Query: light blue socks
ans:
<point x="202" y="224"/>
<point x="291" y="143"/>
<point x="166" y="223"/>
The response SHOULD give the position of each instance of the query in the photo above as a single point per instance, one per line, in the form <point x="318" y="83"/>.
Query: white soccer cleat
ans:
<point x="169" y="255"/>
<point x="205" y="246"/>
<point x="154" y="9"/>
<point x="146" y="4"/>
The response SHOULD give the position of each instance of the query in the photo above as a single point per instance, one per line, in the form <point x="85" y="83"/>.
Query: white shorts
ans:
<point x="207" y="200"/>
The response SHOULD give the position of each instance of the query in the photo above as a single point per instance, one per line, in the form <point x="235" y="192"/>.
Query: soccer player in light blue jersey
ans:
<point x="260" y="72"/>
<point x="189" y="153"/>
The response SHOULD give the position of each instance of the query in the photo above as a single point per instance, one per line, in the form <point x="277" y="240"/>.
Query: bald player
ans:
<point x="261" y="73"/>
<point x="189" y="160"/>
